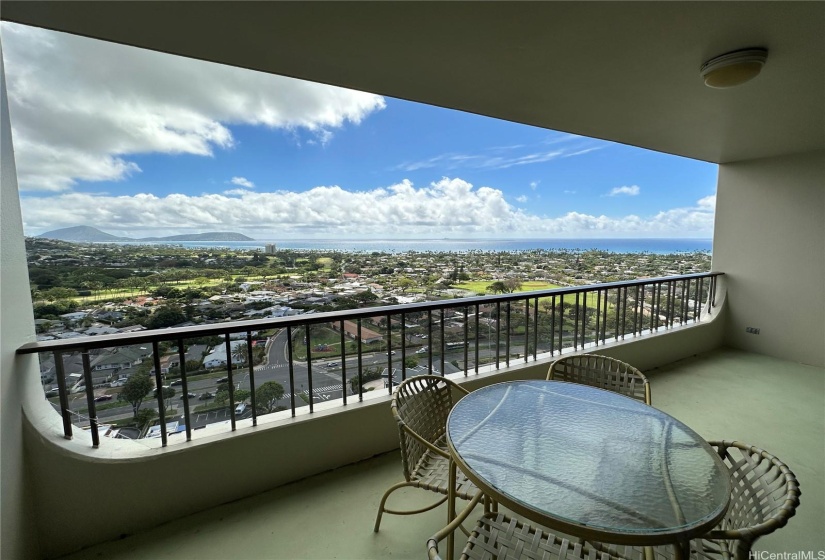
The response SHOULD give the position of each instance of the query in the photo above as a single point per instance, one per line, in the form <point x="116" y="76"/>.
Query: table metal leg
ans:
<point x="681" y="550"/>
<point x="451" y="509"/>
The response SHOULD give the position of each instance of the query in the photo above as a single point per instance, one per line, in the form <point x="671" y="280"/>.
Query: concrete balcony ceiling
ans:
<point x="626" y="72"/>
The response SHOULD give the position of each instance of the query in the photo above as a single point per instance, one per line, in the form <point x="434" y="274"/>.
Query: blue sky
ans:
<point x="141" y="143"/>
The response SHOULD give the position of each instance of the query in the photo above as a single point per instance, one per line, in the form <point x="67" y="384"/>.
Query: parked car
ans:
<point x="240" y="409"/>
<point x="102" y="398"/>
<point x="176" y="382"/>
<point x="423" y="350"/>
<point x="52" y="393"/>
<point x="118" y="383"/>
<point x="206" y="396"/>
<point x="223" y="380"/>
<point x="190" y="395"/>
<point x="333" y="365"/>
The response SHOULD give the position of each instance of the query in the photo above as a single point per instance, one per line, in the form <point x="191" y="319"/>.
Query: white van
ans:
<point x="240" y="409"/>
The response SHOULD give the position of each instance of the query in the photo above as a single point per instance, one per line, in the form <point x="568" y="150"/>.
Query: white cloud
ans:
<point x="708" y="202"/>
<point x="443" y="207"/>
<point x="521" y="199"/>
<point x="242" y="182"/>
<point x="80" y="108"/>
<point x="632" y="190"/>
<point x="236" y="192"/>
<point x="534" y="184"/>
<point x="504" y="157"/>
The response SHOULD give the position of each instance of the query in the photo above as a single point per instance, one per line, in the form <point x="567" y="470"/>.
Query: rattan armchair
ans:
<point x="764" y="496"/>
<point x="497" y="535"/>
<point x="602" y="372"/>
<point x="421" y="405"/>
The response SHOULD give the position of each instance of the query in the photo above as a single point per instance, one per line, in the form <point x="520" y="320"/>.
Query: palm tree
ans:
<point x="240" y="353"/>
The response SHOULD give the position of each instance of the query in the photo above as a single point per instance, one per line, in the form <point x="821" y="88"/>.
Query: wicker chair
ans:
<point x="421" y="405"/>
<point x="764" y="496"/>
<point x="603" y="372"/>
<point x="498" y="536"/>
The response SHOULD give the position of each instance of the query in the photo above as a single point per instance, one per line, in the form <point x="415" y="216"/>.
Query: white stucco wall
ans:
<point x="769" y="240"/>
<point x="17" y="535"/>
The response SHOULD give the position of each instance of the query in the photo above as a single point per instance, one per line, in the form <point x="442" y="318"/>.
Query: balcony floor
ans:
<point x="725" y="394"/>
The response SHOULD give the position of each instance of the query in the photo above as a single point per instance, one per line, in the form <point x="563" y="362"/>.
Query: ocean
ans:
<point x="658" y="246"/>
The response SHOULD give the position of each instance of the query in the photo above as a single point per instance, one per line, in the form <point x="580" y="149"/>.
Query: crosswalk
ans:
<point x="270" y="367"/>
<point x="322" y="393"/>
<point x="324" y="389"/>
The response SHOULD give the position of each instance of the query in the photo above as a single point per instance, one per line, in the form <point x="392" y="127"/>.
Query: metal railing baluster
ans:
<point x="576" y="324"/>
<point x="63" y="393"/>
<point x="526" y="329"/>
<point x="291" y="369"/>
<point x="442" y="343"/>
<point x="535" y="328"/>
<point x="343" y="362"/>
<point x="430" y="341"/>
<point x="90" y="399"/>
<point x="466" y="339"/>
<point x="185" y="388"/>
<point x="389" y="353"/>
<point x="403" y="346"/>
<point x="252" y="397"/>
<point x="308" y="343"/>
<point x="231" y="384"/>
<point x="158" y="392"/>
<point x="360" y="363"/>
<point x="478" y="312"/>
<point x="509" y="334"/>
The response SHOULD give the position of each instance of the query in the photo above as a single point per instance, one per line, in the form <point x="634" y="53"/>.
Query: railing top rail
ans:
<point x="172" y="334"/>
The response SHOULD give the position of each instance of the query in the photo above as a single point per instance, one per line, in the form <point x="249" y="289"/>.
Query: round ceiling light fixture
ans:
<point x="733" y="68"/>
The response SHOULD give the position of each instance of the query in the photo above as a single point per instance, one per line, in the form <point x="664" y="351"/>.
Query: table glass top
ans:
<point x="588" y="457"/>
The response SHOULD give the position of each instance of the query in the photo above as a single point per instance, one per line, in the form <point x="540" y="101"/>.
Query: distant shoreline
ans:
<point x="612" y="245"/>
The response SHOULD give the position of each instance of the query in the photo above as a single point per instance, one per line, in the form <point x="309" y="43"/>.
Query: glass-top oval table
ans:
<point x="589" y="462"/>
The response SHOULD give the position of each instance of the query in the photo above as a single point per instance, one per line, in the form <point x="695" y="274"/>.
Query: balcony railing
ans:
<point x="465" y="335"/>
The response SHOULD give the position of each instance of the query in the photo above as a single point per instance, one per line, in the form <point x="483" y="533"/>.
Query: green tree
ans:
<point x="365" y="297"/>
<point x="242" y="395"/>
<point x="512" y="284"/>
<point x="268" y="395"/>
<point x="168" y="393"/>
<point x="53" y="294"/>
<point x="145" y="416"/>
<point x="135" y="390"/>
<point x="405" y="284"/>
<point x="240" y="354"/>
<point x="411" y="362"/>
<point x="497" y="287"/>
<point x="166" y="316"/>
<point x="193" y="365"/>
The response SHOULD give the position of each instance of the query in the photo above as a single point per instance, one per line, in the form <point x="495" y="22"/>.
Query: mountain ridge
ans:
<point x="93" y="235"/>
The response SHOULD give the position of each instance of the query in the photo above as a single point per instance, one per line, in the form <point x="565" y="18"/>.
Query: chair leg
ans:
<point x="382" y="507"/>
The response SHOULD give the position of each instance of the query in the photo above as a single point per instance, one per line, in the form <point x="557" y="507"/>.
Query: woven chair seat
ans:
<point x="432" y="473"/>
<point x="499" y="536"/>
<point x="700" y="549"/>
